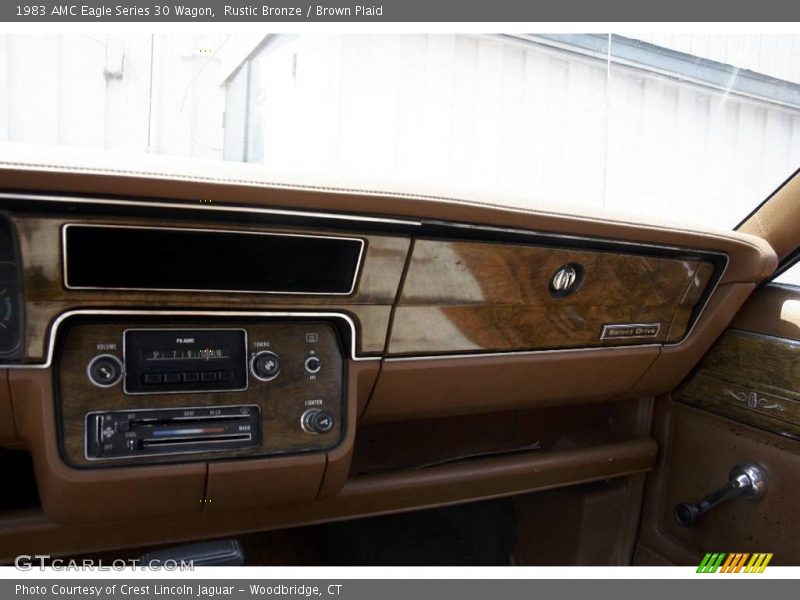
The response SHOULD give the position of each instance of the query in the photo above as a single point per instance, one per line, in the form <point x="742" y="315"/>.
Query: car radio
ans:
<point x="142" y="389"/>
<point x="184" y="360"/>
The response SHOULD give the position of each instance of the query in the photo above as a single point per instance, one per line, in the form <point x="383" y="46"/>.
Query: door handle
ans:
<point x="746" y="480"/>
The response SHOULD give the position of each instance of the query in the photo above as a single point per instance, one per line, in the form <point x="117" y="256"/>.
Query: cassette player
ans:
<point x="159" y="361"/>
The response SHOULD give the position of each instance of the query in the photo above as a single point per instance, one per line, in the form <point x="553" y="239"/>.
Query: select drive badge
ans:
<point x="630" y="330"/>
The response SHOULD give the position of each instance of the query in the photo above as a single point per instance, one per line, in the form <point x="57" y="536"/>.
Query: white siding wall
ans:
<point x="53" y="91"/>
<point x="520" y="123"/>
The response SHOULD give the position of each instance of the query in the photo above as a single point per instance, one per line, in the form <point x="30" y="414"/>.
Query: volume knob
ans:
<point x="104" y="370"/>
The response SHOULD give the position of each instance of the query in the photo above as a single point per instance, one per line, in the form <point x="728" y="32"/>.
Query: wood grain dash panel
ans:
<point x="46" y="297"/>
<point x="476" y="296"/>
<point x="685" y="310"/>
<point x="752" y="378"/>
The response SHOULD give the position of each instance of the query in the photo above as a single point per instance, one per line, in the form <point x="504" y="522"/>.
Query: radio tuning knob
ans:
<point x="265" y="365"/>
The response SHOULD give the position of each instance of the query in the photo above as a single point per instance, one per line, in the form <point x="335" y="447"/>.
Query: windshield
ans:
<point x="690" y="128"/>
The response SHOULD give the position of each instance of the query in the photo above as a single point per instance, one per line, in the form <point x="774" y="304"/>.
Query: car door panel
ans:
<point x="739" y="404"/>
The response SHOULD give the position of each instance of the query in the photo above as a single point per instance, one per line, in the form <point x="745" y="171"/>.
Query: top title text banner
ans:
<point x="394" y="11"/>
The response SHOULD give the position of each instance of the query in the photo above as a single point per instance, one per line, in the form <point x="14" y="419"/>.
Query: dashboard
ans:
<point x="171" y="359"/>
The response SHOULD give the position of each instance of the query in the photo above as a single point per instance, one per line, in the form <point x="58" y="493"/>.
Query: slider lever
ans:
<point x="746" y="480"/>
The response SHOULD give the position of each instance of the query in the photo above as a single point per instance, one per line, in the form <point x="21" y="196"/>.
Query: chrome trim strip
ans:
<point x="199" y="390"/>
<point x="209" y="230"/>
<point x="507" y="353"/>
<point x="187" y="313"/>
<point x="212" y="208"/>
<point x="580" y="238"/>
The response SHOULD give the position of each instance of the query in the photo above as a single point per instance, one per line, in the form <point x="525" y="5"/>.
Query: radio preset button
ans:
<point x="152" y="378"/>
<point x="172" y="377"/>
<point x="224" y="375"/>
<point x="313" y="365"/>
<point x="208" y="376"/>
<point x="191" y="377"/>
<point x="104" y="370"/>
<point x="265" y="365"/>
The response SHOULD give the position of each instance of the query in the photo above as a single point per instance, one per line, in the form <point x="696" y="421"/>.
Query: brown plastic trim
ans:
<point x="452" y="386"/>
<point x="8" y="432"/>
<point x="368" y="495"/>
<point x="73" y="495"/>
<point x="776" y="220"/>
<point x="772" y="310"/>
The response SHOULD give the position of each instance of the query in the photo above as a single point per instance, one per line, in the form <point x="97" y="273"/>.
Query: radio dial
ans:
<point x="265" y="365"/>
<point x="104" y="370"/>
<point x="313" y="365"/>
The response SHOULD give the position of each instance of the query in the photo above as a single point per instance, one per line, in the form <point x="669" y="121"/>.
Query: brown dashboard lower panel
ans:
<point x="267" y="482"/>
<point x="71" y="494"/>
<point x="103" y="495"/>
<point x="491" y="477"/>
<point x="361" y="496"/>
<point x="421" y="388"/>
<point x="676" y="361"/>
